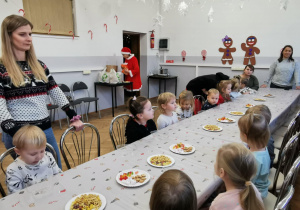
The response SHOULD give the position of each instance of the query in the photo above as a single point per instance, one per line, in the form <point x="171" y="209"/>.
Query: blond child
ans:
<point x="173" y="190"/>
<point x="235" y="88"/>
<point x="236" y="166"/>
<point x="141" y="123"/>
<point x="254" y="131"/>
<point x="212" y="99"/>
<point x="224" y="87"/>
<point x="265" y="111"/>
<point x="33" y="165"/>
<point x="186" y="105"/>
<point x="167" y="105"/>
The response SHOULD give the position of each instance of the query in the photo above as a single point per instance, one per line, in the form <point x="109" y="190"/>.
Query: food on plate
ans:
<point x="259" y="99"/>
<point x="268" y="95"/>
<point x="249" y="105"/>
<point x="212" y="127"/>
<point x="131" y="178"/>
<point x="225" y="119"/>
<point x="237" y="113"/>
<point x="86" y="201"/>
<point x="160" y="160"/>
<point x="183" y="147"/>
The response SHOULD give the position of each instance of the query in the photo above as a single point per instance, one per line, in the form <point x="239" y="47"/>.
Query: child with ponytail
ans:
<point x="141" y="123"/>
<point x="224" y="87"/>
<point x="236" y="166"/>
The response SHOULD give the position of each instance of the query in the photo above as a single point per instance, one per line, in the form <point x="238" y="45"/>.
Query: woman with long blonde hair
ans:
<point x="236" y="166"/>
<point x="24" y="84"/>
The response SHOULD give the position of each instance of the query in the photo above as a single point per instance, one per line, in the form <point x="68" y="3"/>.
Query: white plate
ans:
<point x="250" y="106"/>
<point x="271" y="96"/>
<point x="180" y="151"/>
<point x="102" y="198"/>
<point x="259" y="99"/>
<point x="211" y="130"/>
<point x="236" y="114"/>
<point x="172" y="161"/>
<point x="226" y="121"/>
<point x="137" y="184"/>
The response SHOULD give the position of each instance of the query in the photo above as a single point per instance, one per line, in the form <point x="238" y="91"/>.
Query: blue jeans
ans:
<point x="7" y="139"/>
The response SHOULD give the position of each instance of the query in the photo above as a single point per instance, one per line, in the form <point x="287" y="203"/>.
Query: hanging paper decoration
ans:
<point x="210" y="15"/>
<point x="242" y="4"/>
<point x="105" y="25"/>
<point x="183" y="8"/>
<point x="90" y="31"/>
<point x="227" y="42"/>
<point x="116" y="19"/>
<point x="21" y="10"/>
<point x="166" y="5"/>
<point x="183" y="54"/>
<point x="72" y="34"/>
<point x="47" y="24"/>
<point x="250" y="51"/>
<point x="204" y="53"/>
<point x="158" y="20"/>
<point x="283" y="4"/>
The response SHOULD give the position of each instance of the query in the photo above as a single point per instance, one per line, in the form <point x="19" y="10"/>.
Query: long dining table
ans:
<point x="99" y="175"/>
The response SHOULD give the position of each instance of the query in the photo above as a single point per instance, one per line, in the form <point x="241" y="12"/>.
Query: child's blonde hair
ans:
<point x="173" y="190"/>
<point x="240" y="165"/>
<point x="213" y="91"/>
<point x="164" y="98"/>
<point x="29" y="135"/>
<point x="261" y="109"/>
<point x="244" y="81"/>
<point x="187" y="95"/>
<point x="256" y="128"/>
<point x="235" y="84"/>
<point x="223" y="85"/>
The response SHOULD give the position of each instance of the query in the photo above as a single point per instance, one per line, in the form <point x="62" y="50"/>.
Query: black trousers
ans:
<point x="276" y="86"/>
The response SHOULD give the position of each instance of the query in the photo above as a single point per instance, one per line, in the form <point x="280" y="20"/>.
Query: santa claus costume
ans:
<point x="133" y="71"/>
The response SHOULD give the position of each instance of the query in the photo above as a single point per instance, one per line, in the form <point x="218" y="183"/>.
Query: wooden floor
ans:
<point x="106" y="145"/>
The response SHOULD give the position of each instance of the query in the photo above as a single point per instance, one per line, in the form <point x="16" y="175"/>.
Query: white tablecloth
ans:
<point x="99" y="175"/>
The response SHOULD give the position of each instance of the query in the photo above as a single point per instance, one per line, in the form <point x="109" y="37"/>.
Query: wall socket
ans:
<point x="237" y="68"/>
<point x="86" y="72"/>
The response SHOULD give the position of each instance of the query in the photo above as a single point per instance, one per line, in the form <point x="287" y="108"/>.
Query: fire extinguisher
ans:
<point x="152" y="39"/>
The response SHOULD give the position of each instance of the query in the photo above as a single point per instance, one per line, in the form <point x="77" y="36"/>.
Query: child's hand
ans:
<point x="77" y="124"/>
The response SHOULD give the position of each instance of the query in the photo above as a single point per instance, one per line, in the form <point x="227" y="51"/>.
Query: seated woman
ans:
<point x="200" y="85"/>
<point x="248" y="74"/>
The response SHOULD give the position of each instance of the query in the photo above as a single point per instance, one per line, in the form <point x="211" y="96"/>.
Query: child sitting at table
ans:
<point x="34" y="164"/>
<point x="265" y="111"/>
<point x="254" y="131"/>
<point x="173" y="190"/>
<point x="141" y="123"/>
<point x="243" y="87"/>
<point x="186" y="105"/>
<point x="236" y="166"/>
<point x="224" y="88"/>
<point x="212" y="99"/>
<point x="235" y="88"/>
<point x="167" y="105"/>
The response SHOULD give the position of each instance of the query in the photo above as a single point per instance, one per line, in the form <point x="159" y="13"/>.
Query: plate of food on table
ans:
<point x="182" y="149"/>
<point x="225" y="120"/>
<point x="133" y="178"/>
<point x="213" y="128"/>
<point x="161" y="161"/>
<point x="90" y="200"/>
<point x="249" y="105"/>
<point x="259" y="99"/>
<point x="269" y="96"/>
<point x="236" y="113"/>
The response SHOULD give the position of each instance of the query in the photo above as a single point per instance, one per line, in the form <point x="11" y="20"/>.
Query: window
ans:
<point x="57" y="13"/>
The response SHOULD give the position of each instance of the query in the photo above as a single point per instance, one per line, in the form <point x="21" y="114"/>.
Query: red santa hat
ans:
<point x="125" y="50"/>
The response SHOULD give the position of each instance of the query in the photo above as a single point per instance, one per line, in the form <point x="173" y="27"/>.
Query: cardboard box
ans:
<point x="109" y="67"/>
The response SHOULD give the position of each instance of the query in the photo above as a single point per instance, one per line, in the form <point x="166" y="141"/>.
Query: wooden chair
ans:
<point x="117" y="130"/>
<point x="80" y="147"/>
<point x="11" y="153"/>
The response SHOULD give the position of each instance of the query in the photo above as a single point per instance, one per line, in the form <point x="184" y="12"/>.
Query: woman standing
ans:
<point x="285" y="71"/>
<point x="24" y="84"/>
<point x="132" y="73"/>
<point x="248" y="74"/>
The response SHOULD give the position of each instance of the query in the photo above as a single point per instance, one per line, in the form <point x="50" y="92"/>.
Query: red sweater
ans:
<point x="134" y="74"/>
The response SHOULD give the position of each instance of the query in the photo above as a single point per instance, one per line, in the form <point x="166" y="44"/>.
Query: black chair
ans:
<point x="117" y="130"/>
<point x="81" y="86"/>
<point x="11" y="152"/>
<point x="80" y="147"/>
<point x="51" y="106"/>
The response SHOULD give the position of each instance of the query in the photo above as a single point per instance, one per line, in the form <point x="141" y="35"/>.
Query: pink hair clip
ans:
<point x="75" y="118"/>
<point x="134" y="98"/>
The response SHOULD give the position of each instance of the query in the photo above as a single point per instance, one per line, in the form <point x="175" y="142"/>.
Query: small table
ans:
<point x="164" y="78"/>
<point x="113" y="92"/>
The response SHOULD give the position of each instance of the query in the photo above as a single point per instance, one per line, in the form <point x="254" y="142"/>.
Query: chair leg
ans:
<point x="59" y="119"/>
<point x="86" y="113"/>
<point x="98" y="110"/>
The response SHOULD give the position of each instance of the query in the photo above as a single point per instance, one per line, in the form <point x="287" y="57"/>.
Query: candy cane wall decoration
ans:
<point x="105" y="25"/>
<point x="47" y="24"/>
<point x="116" y="19"/>
<point x="72" y="33"/>
<point x="90" y="31"/>
<point x="21" y="10"/>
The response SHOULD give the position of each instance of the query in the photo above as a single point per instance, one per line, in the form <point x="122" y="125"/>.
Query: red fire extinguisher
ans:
<point x="152" y="39"/>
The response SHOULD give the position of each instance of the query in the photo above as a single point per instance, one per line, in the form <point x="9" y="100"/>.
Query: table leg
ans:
<point x="165" y="84"/>
<point x="116" y="97"/>
<point x="112" y="101"/>
<point x="96" y="97"/>
<point x="176" y="86"/>
<point x="148" y="87"/>
<point x="158" y="86"/>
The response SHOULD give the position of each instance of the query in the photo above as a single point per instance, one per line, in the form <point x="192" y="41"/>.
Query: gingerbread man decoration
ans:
<point x="250" y="51"/>
<point x="227" y="42"/>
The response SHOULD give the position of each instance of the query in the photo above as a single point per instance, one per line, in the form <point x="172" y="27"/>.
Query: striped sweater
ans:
<point x="27" y="104"/>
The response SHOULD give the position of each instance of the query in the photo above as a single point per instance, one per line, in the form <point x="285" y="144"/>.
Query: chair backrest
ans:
<point x="66" y="90"/>
<point x="11" y="153"/>
<point x="117" y="129"/>
<point x="80" y="147"/>
<point x="284" y="203"/>
<point x="291" y="130"/>
<point x="78" y="86"/>
<point x="199" y="101"/>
